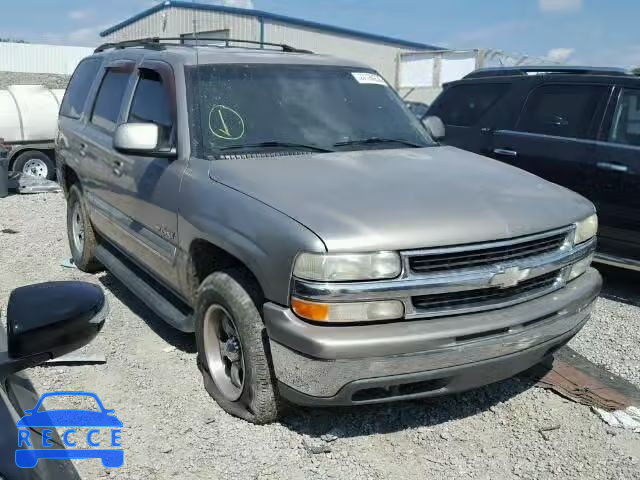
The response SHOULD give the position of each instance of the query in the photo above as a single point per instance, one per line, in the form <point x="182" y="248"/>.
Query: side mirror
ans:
<point x="140" y="139"/>
<point x="47" y="320"/>
<point x="435" y="127"/>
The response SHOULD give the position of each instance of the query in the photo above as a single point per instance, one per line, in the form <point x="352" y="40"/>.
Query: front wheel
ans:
<point x="233" y="352"/>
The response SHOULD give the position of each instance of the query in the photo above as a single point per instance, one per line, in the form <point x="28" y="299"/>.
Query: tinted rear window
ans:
<point x="561" y="110"/>
<point x="109" y="99"/>
<point x="76" y="95"/>
<point x="464" y="105"/>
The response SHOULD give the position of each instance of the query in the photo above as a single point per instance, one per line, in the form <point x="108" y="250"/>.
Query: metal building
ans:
<point x="34" y="58"/>
<point x="174" y="18"/>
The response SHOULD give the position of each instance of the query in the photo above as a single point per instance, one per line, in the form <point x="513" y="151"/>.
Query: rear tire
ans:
<point x="34" y="162"/>
<point x="234" y="294"/>
<point x="82" y="238"/>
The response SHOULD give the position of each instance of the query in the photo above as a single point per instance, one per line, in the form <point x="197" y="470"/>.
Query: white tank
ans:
<point x="29" y="113"/>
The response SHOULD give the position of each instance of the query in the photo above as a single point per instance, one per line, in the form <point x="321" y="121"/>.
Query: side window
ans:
<point x="151" y="105"/>
<point x="464" y="105"/>
<point x="78" y="88"/>
<point x="561" y="110"/>
<point x="626" y="119"/>
<point x="109" y="99"/>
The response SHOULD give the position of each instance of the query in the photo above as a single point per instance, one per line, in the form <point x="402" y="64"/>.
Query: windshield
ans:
<point x="237" y="108"/>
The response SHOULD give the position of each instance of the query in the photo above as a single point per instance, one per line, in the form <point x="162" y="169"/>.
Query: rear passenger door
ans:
<point x="555" y="135"/>
<point x="465" y="110"/>
<point x="72" y="112"/>
<point x="106" y="190"/>
<point x="617" y="192"/>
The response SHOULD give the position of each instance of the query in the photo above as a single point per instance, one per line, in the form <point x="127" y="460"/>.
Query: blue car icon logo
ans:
<point x="28" y="452"/>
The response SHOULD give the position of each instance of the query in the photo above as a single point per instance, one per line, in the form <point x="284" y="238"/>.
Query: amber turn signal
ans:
<point x="344" y="312"/>
<point x="318" y="312"/>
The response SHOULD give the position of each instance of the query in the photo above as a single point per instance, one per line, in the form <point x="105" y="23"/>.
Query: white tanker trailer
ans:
<point x="28" y="126"/>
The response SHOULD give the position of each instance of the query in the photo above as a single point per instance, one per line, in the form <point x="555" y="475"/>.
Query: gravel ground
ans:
<point x="173" y="429"/>
<point x="610" y="339"/>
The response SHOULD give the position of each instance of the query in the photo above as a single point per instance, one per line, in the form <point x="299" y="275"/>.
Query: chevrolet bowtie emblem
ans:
<point x="510" y="277"/>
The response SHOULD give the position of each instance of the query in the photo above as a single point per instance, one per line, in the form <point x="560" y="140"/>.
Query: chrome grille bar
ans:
<point x="484" y="254"/>
<point x="472" y="286"/>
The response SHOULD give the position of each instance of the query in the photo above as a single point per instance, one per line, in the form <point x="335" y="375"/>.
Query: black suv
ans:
<point x="578" y="127"/>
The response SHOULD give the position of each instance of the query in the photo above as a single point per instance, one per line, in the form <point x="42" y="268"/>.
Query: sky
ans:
<point x="593" y="32"/>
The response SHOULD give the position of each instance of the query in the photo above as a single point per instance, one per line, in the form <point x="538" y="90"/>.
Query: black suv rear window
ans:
<point x="561" y="110"/>
<point x="76" y="95"/>
<point x="464" y="105"/>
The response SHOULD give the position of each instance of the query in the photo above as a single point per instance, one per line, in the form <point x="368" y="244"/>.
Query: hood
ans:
<point x="405" y="198"/>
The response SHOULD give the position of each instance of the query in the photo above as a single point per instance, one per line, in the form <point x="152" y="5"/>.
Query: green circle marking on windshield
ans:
<point x="226" y="123"/>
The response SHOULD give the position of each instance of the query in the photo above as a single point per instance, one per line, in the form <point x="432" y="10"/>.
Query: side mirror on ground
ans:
<point x="48" y="320"/>
<point x="435" y="127"/>
<point x="140" y="139"/>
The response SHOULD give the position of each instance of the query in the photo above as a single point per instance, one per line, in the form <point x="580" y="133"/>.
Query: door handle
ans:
<point x="117" y="167"/>
<point x="83" y="147"/>
<point x="614" y="167"/>
<point x="506" y="152"/>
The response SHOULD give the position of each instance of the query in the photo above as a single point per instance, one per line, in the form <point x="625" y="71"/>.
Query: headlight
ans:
<point x="348" y="312"/>
<point x="341" y="267"/>
<point x="586" y="229"/>
<point x="580" y="267"/>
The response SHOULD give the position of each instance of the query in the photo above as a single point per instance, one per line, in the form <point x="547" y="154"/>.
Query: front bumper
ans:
<point x="343" y="365"/>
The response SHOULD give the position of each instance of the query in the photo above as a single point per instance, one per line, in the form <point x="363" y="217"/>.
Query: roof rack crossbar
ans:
<point x="557" y="69"/>
<point x="160" y="42"/>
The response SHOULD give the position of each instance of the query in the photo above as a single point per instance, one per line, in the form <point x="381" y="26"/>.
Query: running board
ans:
<point x="617" y="261"/>
<point x="159" y="299"/>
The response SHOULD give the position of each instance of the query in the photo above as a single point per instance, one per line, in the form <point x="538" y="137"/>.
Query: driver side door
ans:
<point x="147" y="207"/>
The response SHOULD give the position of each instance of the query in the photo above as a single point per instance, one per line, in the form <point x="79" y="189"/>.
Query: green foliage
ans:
<point x="636" y="71"/>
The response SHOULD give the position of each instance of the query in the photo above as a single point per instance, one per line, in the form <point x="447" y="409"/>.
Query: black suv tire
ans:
<point x="235" y="293"/>
<point x="84" y="257"/>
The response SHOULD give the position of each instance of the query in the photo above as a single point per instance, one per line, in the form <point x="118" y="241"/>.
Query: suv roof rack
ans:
<point x="159" y="43"/>
<point x="528" y="70"/>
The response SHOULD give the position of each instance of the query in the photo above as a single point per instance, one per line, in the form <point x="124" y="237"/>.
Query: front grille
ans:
<point x="486" y="255"/>
<point x="484" y="296"/>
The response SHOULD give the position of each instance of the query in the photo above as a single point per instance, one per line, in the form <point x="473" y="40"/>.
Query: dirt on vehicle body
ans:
<point x="291" y="211"/>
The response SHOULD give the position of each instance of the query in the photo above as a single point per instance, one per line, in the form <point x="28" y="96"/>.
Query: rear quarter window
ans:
<point x="77" y="91"/>
<point x="465" y="105"/>
<point x="562" y="110"/>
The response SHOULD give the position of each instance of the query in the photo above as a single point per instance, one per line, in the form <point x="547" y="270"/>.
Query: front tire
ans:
<point x="233" y="352"/>
<point x="82" y="238"/>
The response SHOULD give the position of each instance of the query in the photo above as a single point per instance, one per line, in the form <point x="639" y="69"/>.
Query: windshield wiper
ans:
<point x="374" y="140"/>
<point x="288" y="145"/>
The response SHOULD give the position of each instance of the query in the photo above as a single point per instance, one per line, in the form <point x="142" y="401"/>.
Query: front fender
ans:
<point x="265" y="240"/>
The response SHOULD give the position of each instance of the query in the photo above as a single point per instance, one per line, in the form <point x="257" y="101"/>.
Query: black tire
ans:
<point x="21" y="161"/>
<point x="238" y="293"/>
<point x="85" y="260"/>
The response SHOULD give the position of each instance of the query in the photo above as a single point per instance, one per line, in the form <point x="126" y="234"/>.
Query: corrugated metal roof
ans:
<point x="269" y="16"/>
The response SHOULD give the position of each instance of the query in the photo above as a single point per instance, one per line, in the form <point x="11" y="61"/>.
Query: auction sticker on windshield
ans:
<point x="370" y="78"/>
